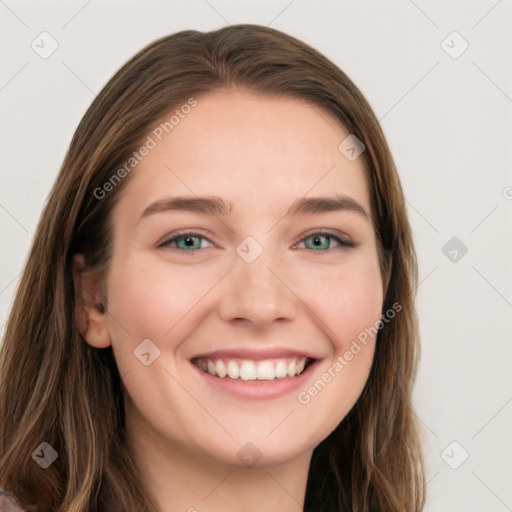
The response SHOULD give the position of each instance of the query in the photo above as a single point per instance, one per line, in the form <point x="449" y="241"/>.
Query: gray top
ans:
<point x="8" y="503"/>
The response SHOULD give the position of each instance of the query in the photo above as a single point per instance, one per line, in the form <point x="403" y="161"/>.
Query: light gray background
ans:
<point x="448" y="122"/>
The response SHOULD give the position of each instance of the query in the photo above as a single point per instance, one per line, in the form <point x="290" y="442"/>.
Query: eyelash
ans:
<point x="343" y="242"/>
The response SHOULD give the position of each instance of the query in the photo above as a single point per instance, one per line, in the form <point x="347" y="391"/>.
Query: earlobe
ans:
<point x="90" y="312"/>
<point x="98" y="336"/>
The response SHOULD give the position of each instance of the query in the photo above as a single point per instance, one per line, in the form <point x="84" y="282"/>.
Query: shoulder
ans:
<point x="8" y="503"/>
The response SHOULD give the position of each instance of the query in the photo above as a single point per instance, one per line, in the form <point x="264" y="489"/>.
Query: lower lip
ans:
<point x="258" y="389"/>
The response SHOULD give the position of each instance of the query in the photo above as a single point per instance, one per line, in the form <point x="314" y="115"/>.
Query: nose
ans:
<point x="258" y="293"/>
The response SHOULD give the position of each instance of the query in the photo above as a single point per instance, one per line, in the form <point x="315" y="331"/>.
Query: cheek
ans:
<point x="356" y="308"/>
<point x="151" y="299"/>
<point x="350" y="311"/>
<point x="347" y="300"/>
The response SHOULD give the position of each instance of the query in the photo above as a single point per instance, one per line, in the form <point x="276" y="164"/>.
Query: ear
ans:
<point x="90" y="313"/>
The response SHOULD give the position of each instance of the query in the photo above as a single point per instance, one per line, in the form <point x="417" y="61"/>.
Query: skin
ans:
<point x="259" y="155"/>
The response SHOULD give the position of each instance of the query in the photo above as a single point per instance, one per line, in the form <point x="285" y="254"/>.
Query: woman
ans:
<point x="217" y="312"/>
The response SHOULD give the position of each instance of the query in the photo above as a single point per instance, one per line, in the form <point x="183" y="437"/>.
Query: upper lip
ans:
<point x="255" y="354"/>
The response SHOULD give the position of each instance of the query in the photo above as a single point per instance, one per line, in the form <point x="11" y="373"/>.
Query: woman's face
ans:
<point x="243" y="244"/>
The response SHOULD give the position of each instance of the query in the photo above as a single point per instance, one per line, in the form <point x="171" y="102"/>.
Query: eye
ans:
<point x="323" y="241"/>
<point x="186" y="242"/>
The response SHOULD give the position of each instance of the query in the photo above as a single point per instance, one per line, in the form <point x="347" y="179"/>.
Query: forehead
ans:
<point x="255" y="151"/>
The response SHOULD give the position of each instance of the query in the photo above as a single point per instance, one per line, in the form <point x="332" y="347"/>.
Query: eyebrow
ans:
<point x="326" y="204"/>
<point x="216" y="206"/>
<point x="208" y="204"/>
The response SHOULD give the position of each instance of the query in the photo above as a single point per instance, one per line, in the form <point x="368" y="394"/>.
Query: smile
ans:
<point x="253" y="370"/>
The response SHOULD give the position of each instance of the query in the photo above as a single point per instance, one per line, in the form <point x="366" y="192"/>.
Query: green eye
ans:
<point x="187" y="242"/>
<point x="324" y="241"/>
<point x="318" y="242"/>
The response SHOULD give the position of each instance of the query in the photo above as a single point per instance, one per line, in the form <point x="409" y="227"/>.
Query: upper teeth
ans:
<point x="246" y="369"/>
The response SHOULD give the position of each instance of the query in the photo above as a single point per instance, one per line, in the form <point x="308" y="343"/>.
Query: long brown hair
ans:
<point x="56" y="388"/>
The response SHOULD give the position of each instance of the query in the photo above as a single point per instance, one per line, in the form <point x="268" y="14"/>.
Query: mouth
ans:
<point x="248" y="370"/>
